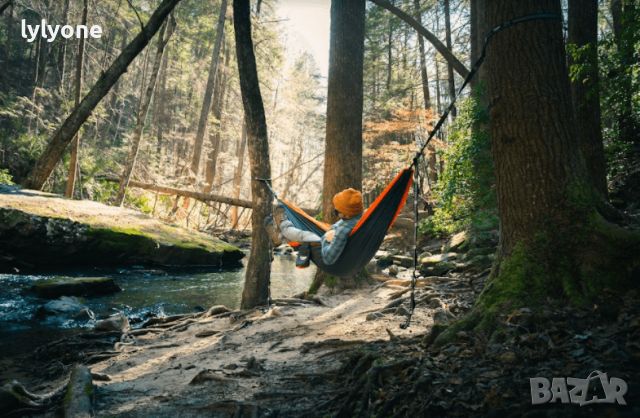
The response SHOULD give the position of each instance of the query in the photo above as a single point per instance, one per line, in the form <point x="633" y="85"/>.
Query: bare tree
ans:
<point x="136" y="137"/>
<point x="75" y="143"/>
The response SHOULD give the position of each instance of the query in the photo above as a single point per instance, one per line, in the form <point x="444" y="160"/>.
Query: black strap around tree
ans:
<point x="438" y="126"/>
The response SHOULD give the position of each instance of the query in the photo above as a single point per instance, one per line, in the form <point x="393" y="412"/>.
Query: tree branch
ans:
<point x="137" y="15"/>
<point x="458" y="66"/>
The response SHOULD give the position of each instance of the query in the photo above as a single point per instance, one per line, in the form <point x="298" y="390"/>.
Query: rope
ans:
<point x="420" y="153"/>
<point x="416" y="273"/>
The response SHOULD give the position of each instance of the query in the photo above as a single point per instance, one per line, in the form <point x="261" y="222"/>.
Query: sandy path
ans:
<point x="268" y="355"/>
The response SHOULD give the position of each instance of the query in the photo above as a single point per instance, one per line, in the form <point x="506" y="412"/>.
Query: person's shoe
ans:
<point x="273" y="231"/>
<point x="303" y="260"/>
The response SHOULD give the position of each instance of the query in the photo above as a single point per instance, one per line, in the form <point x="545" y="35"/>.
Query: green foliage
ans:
<point x="5" y="177"/>
<point x="465" y="191"/>
<point x="619" y="73"/>
<point x="139" y="201"/>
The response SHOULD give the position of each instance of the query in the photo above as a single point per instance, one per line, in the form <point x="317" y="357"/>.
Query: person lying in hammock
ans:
<point x="348" y="206"/>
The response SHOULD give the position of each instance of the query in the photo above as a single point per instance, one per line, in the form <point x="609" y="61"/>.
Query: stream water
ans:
<point x="145" y="293"/>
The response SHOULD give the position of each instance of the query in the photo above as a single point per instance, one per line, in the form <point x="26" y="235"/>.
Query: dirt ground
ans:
<point x="220" y="365"/>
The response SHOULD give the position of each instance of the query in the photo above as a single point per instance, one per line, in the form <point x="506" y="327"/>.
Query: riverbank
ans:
<point x="346" y="354"/>
<point x="43" y="232"/>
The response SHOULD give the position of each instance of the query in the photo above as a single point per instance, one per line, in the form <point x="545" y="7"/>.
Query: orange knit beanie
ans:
<point x="348" y="202"/>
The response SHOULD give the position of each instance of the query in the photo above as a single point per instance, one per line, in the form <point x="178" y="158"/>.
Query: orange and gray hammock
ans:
<point x="366" y="236"/>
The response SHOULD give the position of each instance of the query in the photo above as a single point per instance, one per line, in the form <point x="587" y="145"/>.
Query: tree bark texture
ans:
<point x="532" y="126"/>
<point x="343" y="144"/>
<point x="136" y="137"/>
<point x="585" y="90"/>
<point x="258" y="271"/>
<point x="208" y="92"/>
<point x="65" y="133"/>
<point x="554" y="245"/>
<point x="75" y="143"/>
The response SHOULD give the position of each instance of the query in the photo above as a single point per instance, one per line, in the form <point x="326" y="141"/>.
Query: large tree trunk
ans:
<point x="458" y="66"/>
<point x="258" y="272"/>
<point x="75" y="143"/>
<point x="136" y="137"/>
<point x="553" y="242"/>
<point x="583" y="34"/>
<point x="423" y="60"/>
<point x="343" y="143"/>
<point x="208" y="92"/>
<point x="65" y="133"/>
<point x="450" y="77"/>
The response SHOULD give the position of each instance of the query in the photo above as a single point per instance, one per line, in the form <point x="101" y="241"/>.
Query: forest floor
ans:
<point x="252" y="361"/>
<point x="346" y="355"/>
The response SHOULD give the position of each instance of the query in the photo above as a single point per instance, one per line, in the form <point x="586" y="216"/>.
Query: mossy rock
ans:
<point x="40" y="232"/>
<point x="70" y="286"/>
<point x="437" y="269"/>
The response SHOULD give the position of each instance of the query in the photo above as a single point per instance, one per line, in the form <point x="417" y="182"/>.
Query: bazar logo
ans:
<point x="596" y="388"/>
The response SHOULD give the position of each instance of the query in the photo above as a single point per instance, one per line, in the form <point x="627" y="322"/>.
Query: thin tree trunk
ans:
<point x="237" y="176"/>
<point x="474" y="52"/>
<point x="389" y="52"/>
<point x="62" y="50"/>
<point x="136" y="138"/>
<point x="208" y="92"/>
<point x="423" y="62"/>
<point x="452" y="81"/>
<point x="292" y="172"/>
<point x="65" y="133"/>
<point x="583" y="33"/>
<point x="220" y="92"/>
<point x="258" y="271"/>
<point x="458" y="66"/>
<point x="438" y="91"/>
<point x="75" y="143"/>
<point x="161" y="105"/>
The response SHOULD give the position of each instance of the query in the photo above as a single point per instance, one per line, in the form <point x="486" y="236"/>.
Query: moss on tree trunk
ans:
<point x="555" y="247"/>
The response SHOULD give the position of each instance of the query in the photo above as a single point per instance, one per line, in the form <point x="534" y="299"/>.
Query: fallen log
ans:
<point x="203" y="197"/>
